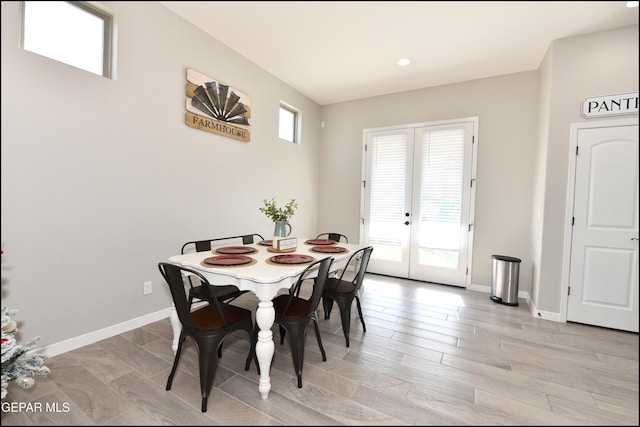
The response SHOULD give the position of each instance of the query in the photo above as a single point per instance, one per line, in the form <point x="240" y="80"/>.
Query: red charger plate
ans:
<point x="227" y="260"/>
<point x="329" y="249"/>
<point x="291" y="259"/>
<point x="236" y="250"/>
<point x="321" y="242"/>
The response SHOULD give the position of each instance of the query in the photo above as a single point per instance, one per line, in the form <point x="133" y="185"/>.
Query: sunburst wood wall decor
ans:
<point x="217" y="108"/>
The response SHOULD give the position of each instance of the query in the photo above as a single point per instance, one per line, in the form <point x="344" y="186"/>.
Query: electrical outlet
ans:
<point x="148" y="287"/>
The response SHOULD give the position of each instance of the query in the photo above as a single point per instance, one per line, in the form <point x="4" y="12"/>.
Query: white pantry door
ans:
<point x="603" y="274"/>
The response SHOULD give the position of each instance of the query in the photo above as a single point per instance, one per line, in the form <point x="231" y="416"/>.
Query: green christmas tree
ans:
<point x="18" y="364"/>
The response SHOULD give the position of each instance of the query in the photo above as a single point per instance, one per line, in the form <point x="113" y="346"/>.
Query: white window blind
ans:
<point x="442" y="188"/>
<point x="388" y="178"/>
<point x="442" y="169"/>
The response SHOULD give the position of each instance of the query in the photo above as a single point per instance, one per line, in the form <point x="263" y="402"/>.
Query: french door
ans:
<point x="418" y="200"/>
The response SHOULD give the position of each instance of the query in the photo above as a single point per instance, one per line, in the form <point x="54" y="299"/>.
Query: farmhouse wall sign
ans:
<point x="610" y="105"/>
<point x="217" y="108"/>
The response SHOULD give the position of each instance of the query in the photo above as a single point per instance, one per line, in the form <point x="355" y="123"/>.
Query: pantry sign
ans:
<point x="610" y="105"/>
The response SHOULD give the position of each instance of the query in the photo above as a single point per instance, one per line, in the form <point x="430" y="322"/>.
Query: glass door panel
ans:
<point x="389" y="155"/>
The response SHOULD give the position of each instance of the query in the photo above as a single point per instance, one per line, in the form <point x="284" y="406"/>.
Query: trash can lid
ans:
<point x="506" y="258"/>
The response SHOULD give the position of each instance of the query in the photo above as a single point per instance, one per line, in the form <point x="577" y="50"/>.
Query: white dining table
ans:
<point x="265" y="279"/>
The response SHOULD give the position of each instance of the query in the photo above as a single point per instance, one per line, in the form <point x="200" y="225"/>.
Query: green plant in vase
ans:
<point x="279" y="215"/>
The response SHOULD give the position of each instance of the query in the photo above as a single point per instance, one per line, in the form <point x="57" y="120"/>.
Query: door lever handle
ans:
<point x="634" y="238"/>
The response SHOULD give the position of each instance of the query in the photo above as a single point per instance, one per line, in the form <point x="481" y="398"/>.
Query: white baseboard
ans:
<point x="483" y="288"/>
<point x="108" y="332"/>
<point x="547" y="315"/>
<point x="487" y="289"/>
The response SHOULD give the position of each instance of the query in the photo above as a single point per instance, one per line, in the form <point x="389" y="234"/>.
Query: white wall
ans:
<point x="603" y="63"/>
<point x="524" y="122"/>
<point x="506" y="107"/>
<point x="102" y="179"/>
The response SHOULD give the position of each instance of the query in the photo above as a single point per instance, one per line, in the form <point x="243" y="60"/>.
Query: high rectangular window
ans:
<point x="75" y="33"/>
<point x="289" y="123"/>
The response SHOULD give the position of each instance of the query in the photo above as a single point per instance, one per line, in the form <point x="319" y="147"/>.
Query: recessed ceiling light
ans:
<point x="632" y="4"/>
<point x="403" y="62"/>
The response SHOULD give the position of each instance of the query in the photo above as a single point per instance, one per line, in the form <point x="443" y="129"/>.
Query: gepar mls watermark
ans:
<point x="36" y="407"/>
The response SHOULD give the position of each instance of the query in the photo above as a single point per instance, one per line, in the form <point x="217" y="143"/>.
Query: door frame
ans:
<point x="571" y="179"/>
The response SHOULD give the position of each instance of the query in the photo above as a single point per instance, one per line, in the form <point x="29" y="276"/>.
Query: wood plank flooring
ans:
<point x="431" y="355"/>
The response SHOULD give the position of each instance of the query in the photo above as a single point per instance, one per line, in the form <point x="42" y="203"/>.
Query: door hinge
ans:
<point x="576" y="150"/>
<point x="467" y="272"/>
<point x="364" y="184"/>
<point x="569" y="291"/>
<point x="573" y="220"/>
<point x="472" y="179"/>
<point x="470" y="225"/>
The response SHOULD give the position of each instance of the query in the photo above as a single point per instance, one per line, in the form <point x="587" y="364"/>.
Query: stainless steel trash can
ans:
<point x="504" y="286"/>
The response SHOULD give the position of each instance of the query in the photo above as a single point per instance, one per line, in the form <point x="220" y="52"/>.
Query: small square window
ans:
<point x="71" y="32"/>
<point x="288" y="124"/>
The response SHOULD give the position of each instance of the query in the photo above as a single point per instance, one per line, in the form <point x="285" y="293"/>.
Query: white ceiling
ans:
<point x="334" y="51"/>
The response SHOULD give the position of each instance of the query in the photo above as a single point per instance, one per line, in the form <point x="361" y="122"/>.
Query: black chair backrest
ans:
<point x="334" y="236"/>
<point x="248" y="239"/>
<point x="359" y="260"/>
<point x="319" y="282"/>
<point x="206" y="245"/>
<point x="174" y="276"/>
<point x="201" y="246"/>
<point x="362" y="268"/>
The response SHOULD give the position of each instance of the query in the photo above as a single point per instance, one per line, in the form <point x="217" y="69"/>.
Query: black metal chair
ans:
<point x="207" y="244"/>
<point x="208" y="326"/>
<point x="333" y="236"/>
<point x="294" y="313"/>
<point x="225" y="293"/>
<point x="343" y="292"/>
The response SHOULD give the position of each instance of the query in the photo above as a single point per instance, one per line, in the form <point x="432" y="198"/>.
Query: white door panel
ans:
<point x="603" y="274"/>
<point x="441" y="200"/>
<point x="388" y="169"/>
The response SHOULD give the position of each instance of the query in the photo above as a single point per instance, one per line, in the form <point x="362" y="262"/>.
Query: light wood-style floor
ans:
<point x="431" y="355"/>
